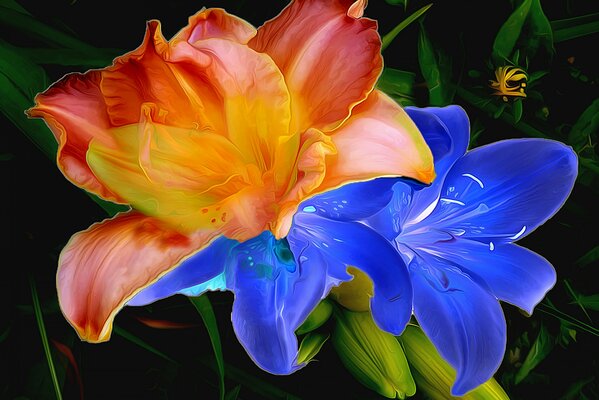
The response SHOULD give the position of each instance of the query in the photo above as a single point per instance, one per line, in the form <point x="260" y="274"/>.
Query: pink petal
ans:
<point x="107" y="264"/>
<point x="216" y="23"/>
<point x="379" y="139"/>
<point x="330" y="60"/>
<point x="75" y="111"/>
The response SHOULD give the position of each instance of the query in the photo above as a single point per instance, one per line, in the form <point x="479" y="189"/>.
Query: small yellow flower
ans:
<point x="510" y="82"/>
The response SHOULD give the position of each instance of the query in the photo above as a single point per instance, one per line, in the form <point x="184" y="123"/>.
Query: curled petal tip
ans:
<point x="356" y="10"/>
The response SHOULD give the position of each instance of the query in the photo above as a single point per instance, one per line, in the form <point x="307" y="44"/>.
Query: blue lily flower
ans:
<point x="277" y="283"/>
<point x="457" y="237"/>
<point x="444" y="252"/>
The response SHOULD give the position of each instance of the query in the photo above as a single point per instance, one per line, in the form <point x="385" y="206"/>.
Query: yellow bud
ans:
<point x="434" y="376"/>
<point x="310" y="346"/>
<point x="355" y="294"/>
<point x="373" y="356"/>
<point x="317" y="317"/>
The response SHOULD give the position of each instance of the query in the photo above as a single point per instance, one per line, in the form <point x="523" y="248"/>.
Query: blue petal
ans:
<point x="274" y="293"/>
<point x="503" y="191"/>
<point x="351" y="202"/>
<point x="346" y="244"/>
<point x="513" y="274"/>
<point x="446" y="131"/>
<point x="203" y="268"/>
<point x="462" y="319"/>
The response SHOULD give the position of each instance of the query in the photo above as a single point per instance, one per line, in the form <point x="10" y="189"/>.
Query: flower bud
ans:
<point x="434" y="376"/>
<point x="355" y="294"/>
<point x="310" y="346"/>
<point x="373" y="356"/>
<point x="317" y="317"/>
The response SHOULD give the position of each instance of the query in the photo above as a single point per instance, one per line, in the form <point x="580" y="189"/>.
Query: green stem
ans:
<point x="40" y="324"/>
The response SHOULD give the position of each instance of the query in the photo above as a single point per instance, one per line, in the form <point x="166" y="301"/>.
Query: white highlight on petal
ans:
<point x="475" y="179"/>
<point x="425" y="213"/>
<point x="453" y="201"/>
<point x="491" y="246"/>
<point x="517" y="235"/>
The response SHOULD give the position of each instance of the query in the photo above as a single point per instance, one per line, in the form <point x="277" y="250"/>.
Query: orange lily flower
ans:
<point x="221" y="130"/>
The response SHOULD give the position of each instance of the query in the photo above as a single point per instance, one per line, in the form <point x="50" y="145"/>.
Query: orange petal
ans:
<point x="311" y="170"/>
<point x="75" y="111"/>
<point x="330" y="60"/>
<point x="103" y="267"/>
<point x="379" y="139"/>
<point x="174" y="174"/>
<point x="181" y="97"/>
<point x="256" y="103"/>
<point x="216" y="23"/>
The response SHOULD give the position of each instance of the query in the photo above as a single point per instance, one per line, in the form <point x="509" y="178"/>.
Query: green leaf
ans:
<point x="204" y="308"/>
<point x="586" y="127"/>
<point x="572" y="28"/>
<point x="591" y="256"/>
<point x="541" y="347"/>
<point x="509" y="33"/>
<point x="399" y="85"/>
<point x="70" y="57"/>
<point x="436" y="70"/>
<point x="233" y="393"/>
<point x="13" y="5"/>
<point x="492" y="109"/>
<point x="591" y="302"/>
<point x="574" y="392"/>
<point x="576" y="296"/>
<point x="517" y="110"/>
<point x="310" y="346"/>
<point x="317" y="317"/>
<point x="403" y="3"/>
<point x="5" y="334"/>
<point x="139" y="342"/>
<point x="388" y="38"/>
<point x="28" y="25"/>
<point x="548" y="308"/>
<point x="42" y="328"/>
<point x="540" y="30"/>
<point x="374" y="357"/>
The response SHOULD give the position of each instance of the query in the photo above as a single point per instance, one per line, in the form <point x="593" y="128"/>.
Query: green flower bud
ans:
<point x="310" y="346"/>
<point x="373" y="356"/>
<point x="317" y="317"/>
<point x="434" y="376"/>
<point x="355" y="294"/>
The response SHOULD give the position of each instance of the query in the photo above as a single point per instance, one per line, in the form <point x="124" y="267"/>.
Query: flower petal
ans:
<point x="163" y="171"/>
<point x="215" y="23"/>
<point x="514" y="274"/>
<point x="353" y="201"/>
<point x="274" y="293"/>
<point x="195" y="271"/>
<point x="143" y="76"/>
<point x="75" y="111"/>
<point x="503" y="191"/>
<point x="103" y="267"/>
<point x="311" y="41"/>
<point x="255" y="100"/>
<point x="462" y="319"/>
<point x="379" y="139"/>
<point x="346" y="244"/>
<point x="446" y="132"/>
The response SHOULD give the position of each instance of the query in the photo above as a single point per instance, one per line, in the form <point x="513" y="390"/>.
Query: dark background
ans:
<point x="42" y="210"/>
